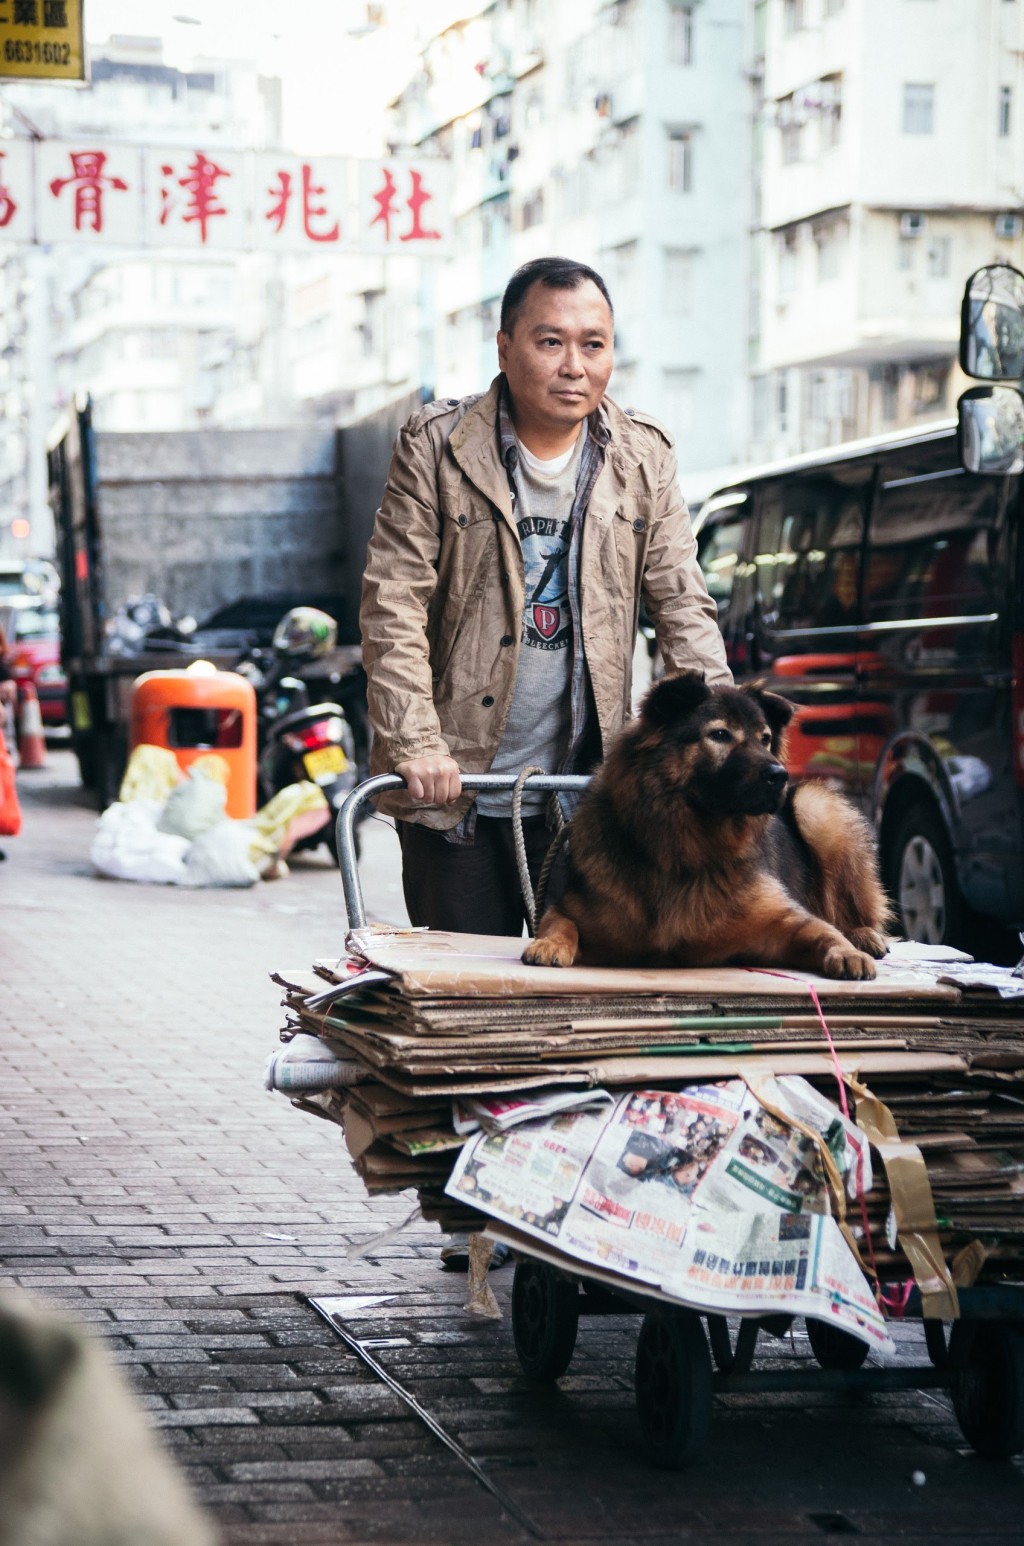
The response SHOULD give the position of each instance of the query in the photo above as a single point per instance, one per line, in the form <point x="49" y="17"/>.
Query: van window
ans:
<point x="932" y="550"/>
<point x="718" y="550"/>
<point x="811" y="532"/>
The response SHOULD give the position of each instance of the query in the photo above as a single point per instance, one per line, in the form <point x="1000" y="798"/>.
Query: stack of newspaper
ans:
<point x="470" y="1066"/>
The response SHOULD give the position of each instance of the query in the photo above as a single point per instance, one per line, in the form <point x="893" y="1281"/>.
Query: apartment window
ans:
<point x="831" y="90"/>
<point x="939" y="253"/>
<point x="623" y="174"/>
<point x="929" y="387"/>
<point x="680" y="160"/>
<point x="918" y="108"/>
<point x="624" y="273"/>
<point x="788" y="263"/>
<point x="792" y="15"/>
<point x="781" y="402"/>
<point x="1005" y="103"/>
<point x="790" y="121"/>
<point x="679" y="267"/>
<point x="680" y="34"/>
<point x="828" y="240"/>
<point x="679" y="392"/>
<point x="905" y="254"/>
<point x="833" y="7"/>
<point x="890" y="392"/>
<point x="531" y="210"/>
<point x="489" y="316"/>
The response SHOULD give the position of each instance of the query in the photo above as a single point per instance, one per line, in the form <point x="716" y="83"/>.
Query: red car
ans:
<point x="32" y="627"/>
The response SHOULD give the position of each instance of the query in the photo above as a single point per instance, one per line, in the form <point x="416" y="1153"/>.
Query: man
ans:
<point x="518" y="533"/>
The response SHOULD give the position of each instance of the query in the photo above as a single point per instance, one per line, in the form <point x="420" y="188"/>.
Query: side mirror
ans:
<point x="991" y="429"/>
<point x="992" y="324"/>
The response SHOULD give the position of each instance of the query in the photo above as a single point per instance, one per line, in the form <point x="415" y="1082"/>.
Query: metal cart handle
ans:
<point x="346" y="829"/>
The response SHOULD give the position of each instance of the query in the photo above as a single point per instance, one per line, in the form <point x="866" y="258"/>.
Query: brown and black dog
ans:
<point x="689" y="848"/>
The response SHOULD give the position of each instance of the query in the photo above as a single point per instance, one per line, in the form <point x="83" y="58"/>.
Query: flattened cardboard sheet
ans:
<point x="434" y="961"/>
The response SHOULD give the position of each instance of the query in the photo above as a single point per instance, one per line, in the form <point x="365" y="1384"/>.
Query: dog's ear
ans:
<point x="778" y="711"/>
<point x="674" y="697"/>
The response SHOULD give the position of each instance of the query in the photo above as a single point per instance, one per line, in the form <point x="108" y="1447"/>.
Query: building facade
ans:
<point x="615" y="133"/>
<point x="888" y="163"/>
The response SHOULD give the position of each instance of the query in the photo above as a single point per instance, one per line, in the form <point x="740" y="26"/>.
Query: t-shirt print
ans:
<point x="547" y="620"/>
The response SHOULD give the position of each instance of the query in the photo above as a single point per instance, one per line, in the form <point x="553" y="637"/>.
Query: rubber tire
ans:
<point x="673" y="1387"/>
<point x="545" y="1319"/>
<point x="922" y="826"/>
<point x="986" y="1383"/>
<point x="833" y="1347"/>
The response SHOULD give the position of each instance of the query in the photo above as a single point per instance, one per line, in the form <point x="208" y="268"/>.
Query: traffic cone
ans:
<point x="31" y="740"/>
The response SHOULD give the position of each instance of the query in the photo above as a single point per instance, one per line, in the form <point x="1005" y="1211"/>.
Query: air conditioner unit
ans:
<point x="913" y="224"/>
<point x="1009" y="225"/>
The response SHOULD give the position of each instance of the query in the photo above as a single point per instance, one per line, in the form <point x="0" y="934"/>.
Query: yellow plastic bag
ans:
<point x="294" y="811"/>
<point x="151" y="774"/>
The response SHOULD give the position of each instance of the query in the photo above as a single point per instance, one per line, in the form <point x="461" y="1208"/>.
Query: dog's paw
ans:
<point x="871" y="941"/>
<point x="548" y="952"/>
<point x="851" y="964"/>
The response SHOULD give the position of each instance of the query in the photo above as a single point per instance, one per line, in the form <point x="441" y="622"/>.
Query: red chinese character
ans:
<point x="8" y="208"/>
<point x="88" y="182"/>
<point x="416" y="201"/>
<point x="386" y="206"/>
<point x="199" y="184"/>
<point x="310" y="211"/>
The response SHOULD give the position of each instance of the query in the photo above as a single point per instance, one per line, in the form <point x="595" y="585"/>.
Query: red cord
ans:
<point x="893" y="1299"/>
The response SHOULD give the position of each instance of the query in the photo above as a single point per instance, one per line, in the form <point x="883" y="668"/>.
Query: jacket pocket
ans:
<point x="469" y="558"/>
<point x="631" y="536"/>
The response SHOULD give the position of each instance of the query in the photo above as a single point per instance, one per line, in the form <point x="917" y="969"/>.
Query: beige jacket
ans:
<point x="443" y="589"/>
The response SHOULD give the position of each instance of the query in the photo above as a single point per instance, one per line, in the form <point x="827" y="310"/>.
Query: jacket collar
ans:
<point x="476" y="443"/>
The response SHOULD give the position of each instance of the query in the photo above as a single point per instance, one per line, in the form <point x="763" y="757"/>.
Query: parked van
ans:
<point x="880" y="587"/>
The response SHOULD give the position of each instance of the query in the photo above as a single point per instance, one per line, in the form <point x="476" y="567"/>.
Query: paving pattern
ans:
<point x="151" y="1187"/>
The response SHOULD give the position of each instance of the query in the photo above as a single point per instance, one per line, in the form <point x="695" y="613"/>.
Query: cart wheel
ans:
<point x="833" y="1347"/>
<point x="545" y="1319"/>
<point x="673" y="1387"/>
<point x="986" y="1382"/>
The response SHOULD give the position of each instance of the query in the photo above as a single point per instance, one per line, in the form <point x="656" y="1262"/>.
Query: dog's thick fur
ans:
<point x="689" y="848"/>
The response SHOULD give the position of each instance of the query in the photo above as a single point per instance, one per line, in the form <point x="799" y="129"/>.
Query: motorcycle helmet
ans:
<point x="305" y="631"/>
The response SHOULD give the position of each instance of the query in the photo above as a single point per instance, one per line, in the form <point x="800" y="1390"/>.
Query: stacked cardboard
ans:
<point x="431" y="1017"/>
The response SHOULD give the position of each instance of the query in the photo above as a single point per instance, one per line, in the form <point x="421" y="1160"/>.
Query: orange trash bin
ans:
<point x="196" y="711"/>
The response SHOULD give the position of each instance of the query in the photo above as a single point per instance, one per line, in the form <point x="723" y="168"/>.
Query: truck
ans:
<point x="231" y="527"/>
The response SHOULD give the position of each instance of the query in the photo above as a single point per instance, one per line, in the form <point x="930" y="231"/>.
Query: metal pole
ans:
<point x="559" y="783"/>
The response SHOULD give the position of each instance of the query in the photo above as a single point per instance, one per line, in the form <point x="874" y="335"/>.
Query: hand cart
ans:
<point x="684" y="1358"/>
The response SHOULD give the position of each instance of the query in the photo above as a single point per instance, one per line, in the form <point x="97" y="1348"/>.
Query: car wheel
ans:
<point x="922" y="880"/>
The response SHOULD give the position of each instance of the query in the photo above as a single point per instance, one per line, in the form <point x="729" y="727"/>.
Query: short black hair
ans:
<point x="557" y="274"/>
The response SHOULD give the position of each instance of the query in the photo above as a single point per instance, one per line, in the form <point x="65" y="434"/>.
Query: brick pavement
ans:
<point x="151" y="1186"/>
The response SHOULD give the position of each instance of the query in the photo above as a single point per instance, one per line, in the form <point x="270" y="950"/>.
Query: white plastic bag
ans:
<point x="220" y="857"/>
<point x="194" y="806"/>
<point x="129" y="846"/>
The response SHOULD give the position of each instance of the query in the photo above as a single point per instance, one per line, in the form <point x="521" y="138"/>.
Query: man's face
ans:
<point x="557" y="359"/>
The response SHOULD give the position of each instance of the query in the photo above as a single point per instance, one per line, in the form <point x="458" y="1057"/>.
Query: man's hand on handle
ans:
<point x="433" y="780"/>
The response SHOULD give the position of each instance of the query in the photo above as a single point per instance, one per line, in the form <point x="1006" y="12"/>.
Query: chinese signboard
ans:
<point x="41" y="40"/>
<point x="204" y="198"/>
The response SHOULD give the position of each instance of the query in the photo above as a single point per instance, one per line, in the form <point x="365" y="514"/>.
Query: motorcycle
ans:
<point x="299" y="740"/>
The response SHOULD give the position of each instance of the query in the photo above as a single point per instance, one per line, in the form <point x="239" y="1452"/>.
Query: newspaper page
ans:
<point x="702" y="1193"/>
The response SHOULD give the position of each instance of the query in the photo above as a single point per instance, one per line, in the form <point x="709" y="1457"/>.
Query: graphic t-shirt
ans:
<point x="537" y="731"/>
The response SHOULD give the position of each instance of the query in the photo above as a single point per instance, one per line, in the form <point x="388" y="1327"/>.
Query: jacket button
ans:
<point x="487" y="702"/>
<point x="638" y="525"/>
<point x="463" y="520"/>
<point x="453" y="402"/>
<point x="506" y="640"/>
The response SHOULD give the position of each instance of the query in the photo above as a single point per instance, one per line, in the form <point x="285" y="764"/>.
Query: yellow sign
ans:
<point x="41" y="40"/>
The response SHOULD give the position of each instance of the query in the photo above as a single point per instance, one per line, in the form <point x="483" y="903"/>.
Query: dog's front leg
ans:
<point x="788" y="935"/>
<point x="557" y="941"/>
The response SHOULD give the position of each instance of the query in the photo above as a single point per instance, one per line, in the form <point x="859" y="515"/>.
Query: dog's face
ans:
<point x="719" y="746"/>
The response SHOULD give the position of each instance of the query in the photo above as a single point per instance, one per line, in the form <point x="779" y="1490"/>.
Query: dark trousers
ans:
<point x="470" y="888"/>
